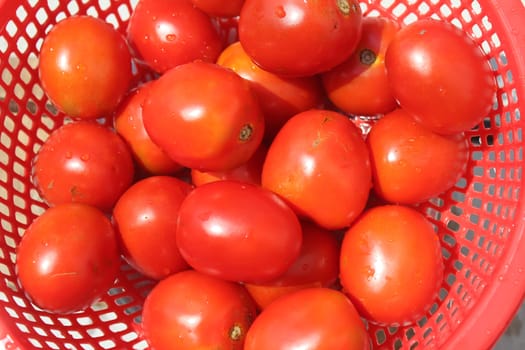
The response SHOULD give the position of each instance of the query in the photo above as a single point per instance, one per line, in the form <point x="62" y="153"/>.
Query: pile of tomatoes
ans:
<point x="238" y="177"/>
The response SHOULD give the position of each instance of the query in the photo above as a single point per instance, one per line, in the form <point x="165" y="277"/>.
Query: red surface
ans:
<point x="480" y="220"/>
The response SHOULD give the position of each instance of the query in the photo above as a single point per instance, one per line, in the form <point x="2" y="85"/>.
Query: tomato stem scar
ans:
<point x="367" y="57"/>
<point x="246" y="132"/>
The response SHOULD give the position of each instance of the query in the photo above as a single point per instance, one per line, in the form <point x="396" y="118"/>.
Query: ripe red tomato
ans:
<point x="309" y="319"/>
<point x="438" y="74"/>
<point x="83" y="162"/>
<point x="68" y="258"/>
<point x="167" y="33"/>
<point x="299" y="38"/>
<point x="145" y="217"/>
<point x="279" y="97"/>
<point x="204" y="116"/>
<point x="220" y="8"/>
<point x="411" y="163"/>
<point x="149" y="158"/>
<point x="391" y="264"/>
<point x="71" y="72"/>
<point x="238" y="232"/>
<point x="319" y="164"/>
<point x="247" y="172"/>
<point x="316" y="266"/>
<point x="190" y="310"/>
<point x="359" y="85"/>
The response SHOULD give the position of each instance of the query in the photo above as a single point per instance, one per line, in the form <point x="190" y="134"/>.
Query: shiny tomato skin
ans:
<point x="319" y="164"/>
<point x="220" y="8"/>
<point x="309" y="319"/>
<point x="411" y="163"/>
<point x="190" y="310"/>
<point x="128" y="123"/>
<point x="167" y="33"/>
<point x="145" y="217"/>
<point x="70" y="70"/>
<point x="389" y="248"/>
<point x="238" y="232"/>
<point x="440" y="76"/>
<point x="279" y="97"/>
<point x="299" y="38"/>
<point x="250" y="171"/>
<point x="359" y="85"/>
<point x="68" y="258"/>
<point x="316" y="266"/>
<point x="204" y="117"/>
<point x="83" y="162"/>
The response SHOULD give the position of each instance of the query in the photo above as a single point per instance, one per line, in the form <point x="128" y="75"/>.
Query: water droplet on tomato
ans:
<point x="84" y="157"/>
<point x="68" y="155"/>
<point x="171" y="37"/>
<point x="280" y="12"/>
<point x="146" y="37"/>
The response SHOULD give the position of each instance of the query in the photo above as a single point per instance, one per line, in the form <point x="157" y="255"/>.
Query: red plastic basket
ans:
<point x="480" y="220"/>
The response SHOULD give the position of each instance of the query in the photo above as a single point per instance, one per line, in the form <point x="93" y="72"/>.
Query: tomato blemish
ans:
<point x="236" y="332"/>
<point x="246" y="133"/>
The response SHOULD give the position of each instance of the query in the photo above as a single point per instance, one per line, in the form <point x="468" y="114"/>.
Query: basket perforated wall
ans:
<point x="479" y="220"/>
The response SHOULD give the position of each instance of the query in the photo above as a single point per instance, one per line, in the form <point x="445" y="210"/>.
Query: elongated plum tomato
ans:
<point x="280" y="97"/>
<point x="359" y="85"/>
<point x="68" y="258"/>
<point x="309" y="319"/>
<point x="238" y="232"/>
<point x="145" y="218"/>
<point x="204" y="116"/>
<point x="319" y="164"/>
<point x="440" y="76"/>
<point x="167" y="33"/>
<point x="297" y="37"/>
<point x="387" y="249"/>
<point x="190" y="310"/>
<point x="411" y="163"/>
<point x="71" y="72"/>
<point x="149" y="157"/>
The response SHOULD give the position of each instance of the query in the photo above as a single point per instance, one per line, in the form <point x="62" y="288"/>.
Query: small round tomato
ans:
<point x="391" y="265"/>
<point x="319" y="164"/>
<point x="145" y="217"/>
<point x="220" y="8"/>
<point x="359" y="86"/>
<point x="83" y="162"/>
<point x="297" y="37"/>
<point x="166" y="33"/>
<point x="440" y="76"/>
<point x="238" y="232"/>
<point x="68" y="258"/>
<point x="190" y="310"/>
<point x="71" y="72"/>
<point x="309" y="319"/>
<point x="410" y="163"/>
<point x="204" y="116"/>
<point x="316" y="266"/>
<point x="149" y="157"/>
<point x="247" y="172"/>
<point x="279" y="97"/>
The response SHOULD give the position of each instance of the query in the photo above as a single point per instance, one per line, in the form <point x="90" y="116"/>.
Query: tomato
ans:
<point x="411" y="163"/>
<point x="309" y="319"/>
<point x="440" y="76"/>
<point x="190" y="310"/>
<point x="319" y="164"/>
<point x="246" y="172"/>
<point x="71" y="72"/>
<point x="220" y="8"/>
<point x="391" y="264"/>
<point x="149" y="157"/>
<point x="204" y="116"/>
<point x="317" y="265"/>
<point x="68" y="258"/>
<point x="279" y="97"/>
<point x="167" y="33"/>
<point x="83" y="162"/>
<point x="299" y="38"/>
<point x="145" y="217"/>
<point x="238" y="232"/>
<point x="359" y="85"/>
